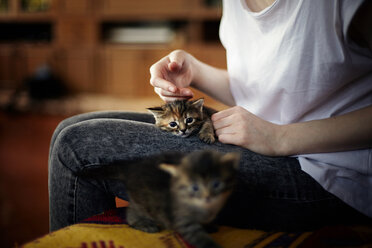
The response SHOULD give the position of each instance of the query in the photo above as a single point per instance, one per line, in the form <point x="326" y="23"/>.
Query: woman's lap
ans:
<point x="143" y="117"/>
<point x="270" y="189"/>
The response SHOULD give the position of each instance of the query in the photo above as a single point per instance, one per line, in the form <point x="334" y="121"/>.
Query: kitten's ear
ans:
<point x="170" y="168"/>
<point x="156" y="111"/>
<point x="231" y="158"/>
<point x="198" y="104"/>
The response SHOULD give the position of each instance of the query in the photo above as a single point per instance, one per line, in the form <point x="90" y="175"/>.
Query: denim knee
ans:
<point x="62" y="148"/>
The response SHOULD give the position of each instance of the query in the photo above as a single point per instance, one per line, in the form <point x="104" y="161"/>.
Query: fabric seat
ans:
<point x="110" y="230"/>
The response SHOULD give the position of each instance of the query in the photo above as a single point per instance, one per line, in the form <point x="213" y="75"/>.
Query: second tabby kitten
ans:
<point x="175" y="191"/>
<point x="184" y="118"/>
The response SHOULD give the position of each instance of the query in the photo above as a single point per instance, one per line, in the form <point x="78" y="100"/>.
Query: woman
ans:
<point x="299" y="83"/>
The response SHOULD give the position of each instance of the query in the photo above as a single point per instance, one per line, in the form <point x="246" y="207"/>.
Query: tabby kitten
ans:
<point x="175" y="191"/>
<point x="183" y="118"/>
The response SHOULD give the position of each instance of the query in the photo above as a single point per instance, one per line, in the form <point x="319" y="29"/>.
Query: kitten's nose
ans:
<point x="183" y="131"/>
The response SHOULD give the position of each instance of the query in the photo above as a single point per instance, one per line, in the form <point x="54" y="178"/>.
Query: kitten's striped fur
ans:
<point x="183" y="118"/>
<point x="175" y="191"/>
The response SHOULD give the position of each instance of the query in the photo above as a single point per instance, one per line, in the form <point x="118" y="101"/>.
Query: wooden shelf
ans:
<point x="191" y="15"/>
<point x="145" y="7"/>
<point x="87" y="62"/>
<point x="16" y="13"/>
<point x="29" y="17"/>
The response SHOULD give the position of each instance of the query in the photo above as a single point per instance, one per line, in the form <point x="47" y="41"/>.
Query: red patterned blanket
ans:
<point x="110" y="230"/>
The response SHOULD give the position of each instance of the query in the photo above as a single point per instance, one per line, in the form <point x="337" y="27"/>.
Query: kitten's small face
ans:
<point x="204" y="181"/>
<point x="181" y="118"/>
<point x="207" y="195"/>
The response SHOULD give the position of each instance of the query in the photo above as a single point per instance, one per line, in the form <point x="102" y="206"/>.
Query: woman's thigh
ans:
<point x="275" y="194"/>
<point x="71" y="198"/>
<point x="119" y="115"/>
<point x="270" y="189"/>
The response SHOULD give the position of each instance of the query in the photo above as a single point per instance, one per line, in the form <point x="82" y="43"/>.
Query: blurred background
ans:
<point x="63" y="57"/>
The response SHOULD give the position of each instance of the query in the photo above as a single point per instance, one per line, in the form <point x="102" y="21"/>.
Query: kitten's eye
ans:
<point x="189" y="120"/>
<point x="216" y="184"/>
<point x="195" y="188"/>
<point x="173" y="124"/>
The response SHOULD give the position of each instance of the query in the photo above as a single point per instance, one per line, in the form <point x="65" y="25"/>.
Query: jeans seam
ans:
<point x="75" y="199"/>
<point x="104" y="183"/>
<point x="74" y="188"/>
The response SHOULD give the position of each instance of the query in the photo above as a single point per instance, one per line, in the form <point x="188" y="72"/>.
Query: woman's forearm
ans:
<point x="350" y="131"/>
<point x="213" y="82"/>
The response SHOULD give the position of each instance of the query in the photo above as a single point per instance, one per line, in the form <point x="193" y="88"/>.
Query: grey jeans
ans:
<point x="272" y="193"/>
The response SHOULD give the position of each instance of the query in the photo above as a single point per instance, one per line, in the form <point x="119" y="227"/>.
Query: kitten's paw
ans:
<point x="207" y="137"/>
<point x="146" y="226"/>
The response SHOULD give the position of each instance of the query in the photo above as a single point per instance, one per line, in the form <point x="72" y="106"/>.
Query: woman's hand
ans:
<point x="346" y="132"/>
<point x="172" y="75"/>
<point x="239" y="127"/>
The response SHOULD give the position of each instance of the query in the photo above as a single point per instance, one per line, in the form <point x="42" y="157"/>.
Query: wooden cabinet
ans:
<point x="76" y="32"/>
<point x="31" y="57"/>
<point x="126" y="70"/>
<point x="77" y="47"/>
<point x="18" y="62"/>
<point x="8" y="65"/>
<point x="17" y="11"/>
<point x="79" y="69"/>
<point x="76" y="7"/>
<point x="145" y="7"/>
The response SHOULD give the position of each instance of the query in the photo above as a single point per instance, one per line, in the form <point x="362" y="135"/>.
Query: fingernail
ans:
<point x="173" y="66"/>
<point x="172" y="89"/>
<point x="188" y="92"/>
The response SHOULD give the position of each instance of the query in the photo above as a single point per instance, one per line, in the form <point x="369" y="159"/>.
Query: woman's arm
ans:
<point x="213" y="82"/>
<point x="350" y="131"/>
<point x="175" y="73"/>
<point x="346" y="132"/>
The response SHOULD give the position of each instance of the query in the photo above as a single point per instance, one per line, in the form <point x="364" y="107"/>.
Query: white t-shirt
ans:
<point x="293" y="62"/>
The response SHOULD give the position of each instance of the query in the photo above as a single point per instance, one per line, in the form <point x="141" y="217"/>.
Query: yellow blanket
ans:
<point x="110" y="230"/>
<point x="122" y="236"/>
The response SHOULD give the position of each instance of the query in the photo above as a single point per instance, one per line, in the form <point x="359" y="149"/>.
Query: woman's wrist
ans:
<point x="282" y="141"/>
<point x="196" y="73"/>
<point x="296" y="138"/>
<point x="277" y="140"/>
<point x="346" y="132"/>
